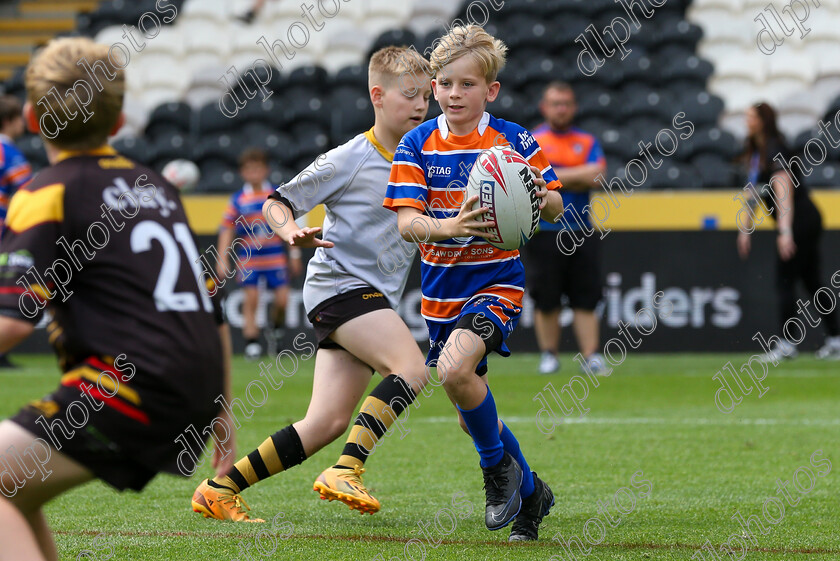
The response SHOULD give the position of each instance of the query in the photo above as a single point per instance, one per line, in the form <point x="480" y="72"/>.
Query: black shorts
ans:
<point x="124" y="444"/>
<point x="491" y="340"/>
<point x="550" y="274"/>
<point x="334" y="312"/>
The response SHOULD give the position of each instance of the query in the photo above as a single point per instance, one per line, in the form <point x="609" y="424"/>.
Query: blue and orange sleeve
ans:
<point x="596" y="154"/>
<point x="407" y="185"/>
<point x="231" y="212"/>
<point x="536" y="157"/>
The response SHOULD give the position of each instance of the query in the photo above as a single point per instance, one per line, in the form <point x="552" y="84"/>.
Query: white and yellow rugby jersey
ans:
<point x="350" y="181"/>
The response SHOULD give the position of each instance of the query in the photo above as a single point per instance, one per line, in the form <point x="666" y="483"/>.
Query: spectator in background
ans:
<point x="577" y="159"/>
<point x="798" y="224"/>
<point x="249" y="16"/>
<point x="15" y="171"/>
<point x="264" y="257"/>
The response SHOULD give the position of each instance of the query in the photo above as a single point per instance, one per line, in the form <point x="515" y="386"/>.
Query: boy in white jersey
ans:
<point x="349" y="299"/>
<point x="472" y="292"/>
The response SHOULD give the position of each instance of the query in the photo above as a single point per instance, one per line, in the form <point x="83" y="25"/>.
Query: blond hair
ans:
<point x="59" y="65"/>
<point x="487" y="51"/>
<point x="389" y="65"/>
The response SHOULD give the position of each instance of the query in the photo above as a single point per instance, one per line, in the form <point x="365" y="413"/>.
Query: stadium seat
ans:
<point x="211" y="120"/>
<point x="135" y="148"/>
<point x="619" y="141"/>
<point x="428" y="15"/>
<point x="603" y="105"/>
<point x="397" y="37"/>
<point x="308" y="108"/>
<point x="218" y="147"/>
<point x="244" y="48"/>
<point x="204" y="86"/>
<point x="217" y="11"/>
<point x="344" y="46"/>
<point x="826" y="175"/>
<point x="352" y="113"/>
<point x="701" y="108"/>
<point x="309" y="77"/>
<point x="281" y="148"/>
<point x="787" y="74"/>
<point x="714" y="170"/>
<point x="731" y="6"/>
<point x="693" y="69"/>
<point x="218" y="179"/>
<point x="175" y="146"/>
<point x="354" y="75"/>
<point x="385" y="14"/>
<point x="202" y="44"/>
<point x="272" y="113"/>
<point x="173" y="115"/>
<point x="711" y="140"/>
<point x="675" y="30"/>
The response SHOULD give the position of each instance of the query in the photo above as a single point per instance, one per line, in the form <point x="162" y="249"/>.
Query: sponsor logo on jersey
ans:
<point x="432" y="170"/>
<point x="525" y="139"/>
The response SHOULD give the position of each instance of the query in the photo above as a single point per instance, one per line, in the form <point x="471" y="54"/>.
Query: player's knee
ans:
<point x="453" y="375"/>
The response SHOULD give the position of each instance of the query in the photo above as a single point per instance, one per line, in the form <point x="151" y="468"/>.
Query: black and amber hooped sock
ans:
<point x="279" y="452"/>
<point x="379" y="411"/>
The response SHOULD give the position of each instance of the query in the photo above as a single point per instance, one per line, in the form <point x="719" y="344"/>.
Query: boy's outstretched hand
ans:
<point x="305" y="237"/>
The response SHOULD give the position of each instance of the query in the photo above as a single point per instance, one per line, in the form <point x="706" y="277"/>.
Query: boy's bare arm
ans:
<point x="417" y="227"/>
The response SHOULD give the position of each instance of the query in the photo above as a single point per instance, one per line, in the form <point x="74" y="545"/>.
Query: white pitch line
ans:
<point x="653" y="421"/>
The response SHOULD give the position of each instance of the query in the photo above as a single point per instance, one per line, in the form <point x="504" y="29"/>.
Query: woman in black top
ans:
<point x="798" y="224"/>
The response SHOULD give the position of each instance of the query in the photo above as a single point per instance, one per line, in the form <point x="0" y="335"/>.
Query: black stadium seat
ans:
<point x="211" y="119"/>
<point x="172" y="147"/>
<point x="218" y="147"/>
<point x="396" y="37"/>
<point x="352" y="76"/>
<point x="309" y="77"/>
<point x="711" y="140"/>
<point x="714" y="170"/>
<point x="272" y="112"/>
<point x="170" y="117"/>
<point x="218" y="179"/>
<point x="136" y="148"/>
<point x="826" y="175"/>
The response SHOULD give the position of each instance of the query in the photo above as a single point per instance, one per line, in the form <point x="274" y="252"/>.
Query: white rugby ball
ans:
<point x="504" y="183"/>
<point x="183" y="174"/>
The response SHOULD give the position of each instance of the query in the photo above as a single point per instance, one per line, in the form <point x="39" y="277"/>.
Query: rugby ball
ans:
<point x="504" y="183"/>
<point x="183" y="174"/>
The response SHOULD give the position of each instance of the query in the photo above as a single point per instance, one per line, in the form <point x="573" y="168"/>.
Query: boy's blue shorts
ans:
<point x="491" y="318"/>
<point x="274" y="278"/>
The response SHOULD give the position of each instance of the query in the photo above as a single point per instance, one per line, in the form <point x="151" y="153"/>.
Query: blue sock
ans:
<point x="483" y="424"/>
<point x="512" y="447"/>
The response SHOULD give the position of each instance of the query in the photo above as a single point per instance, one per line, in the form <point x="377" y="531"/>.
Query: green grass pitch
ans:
<point x="656" y="414"/>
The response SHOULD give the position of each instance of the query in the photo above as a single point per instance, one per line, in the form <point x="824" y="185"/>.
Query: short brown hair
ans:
<point x="58" y="65"/>
<point x="388" y="64"/>
<point x="560" y="86"/>
<point x="10" y="109"/>
<point x="253" y="155"/>
<point x="486" y="50"/>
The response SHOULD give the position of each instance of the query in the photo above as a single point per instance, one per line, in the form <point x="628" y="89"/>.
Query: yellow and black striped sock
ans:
<point x="379" y="411"/>
<point x="280" y="451"/>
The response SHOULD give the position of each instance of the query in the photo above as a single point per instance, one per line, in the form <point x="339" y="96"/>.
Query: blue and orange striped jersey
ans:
<point x="14" y="173"/>
<point x="245" y="206"/>
<point x="569" y="148"/>
<point x="430" y="170"/>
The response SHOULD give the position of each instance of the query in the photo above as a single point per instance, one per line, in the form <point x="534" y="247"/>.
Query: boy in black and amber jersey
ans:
<point x="103" y="244"/>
